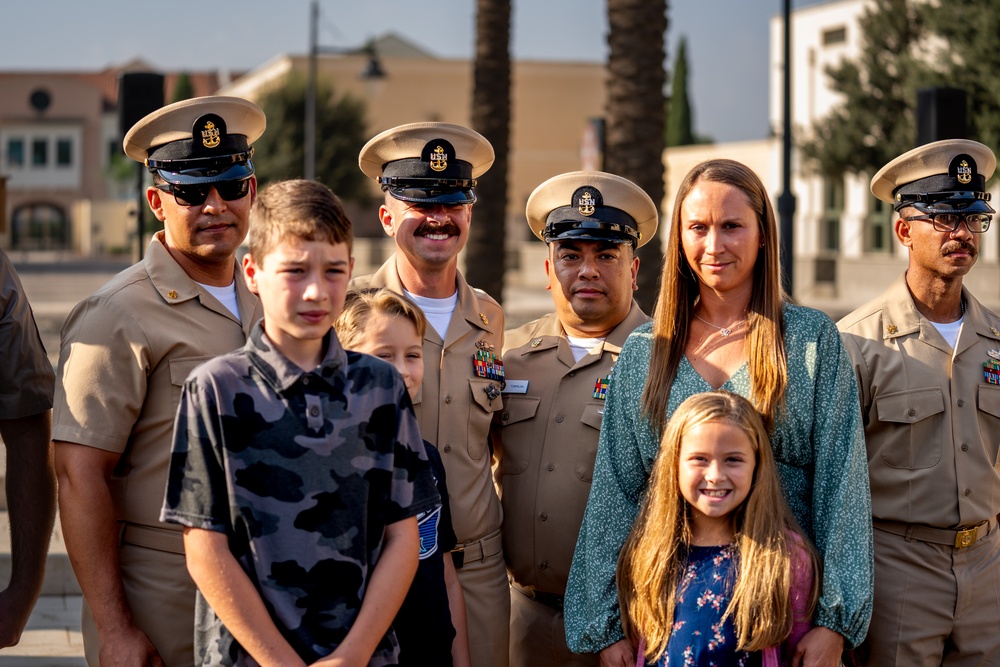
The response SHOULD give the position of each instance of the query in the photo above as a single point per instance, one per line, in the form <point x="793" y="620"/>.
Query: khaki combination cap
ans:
<point x="200" y="140"/>
<point x="592" y="206"/>
<point x="429" y="163"/>
<point x="939" y="177"/>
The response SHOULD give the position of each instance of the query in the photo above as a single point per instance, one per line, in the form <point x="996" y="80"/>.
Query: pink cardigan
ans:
<point x="802" y="583"/>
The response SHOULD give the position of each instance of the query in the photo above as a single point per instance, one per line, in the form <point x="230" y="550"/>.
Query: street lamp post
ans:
<point x="373" y="70"/>
<point x="786" y="202"/>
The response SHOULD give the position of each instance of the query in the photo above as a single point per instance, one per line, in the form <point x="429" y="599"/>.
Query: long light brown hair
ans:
<point x="672" y="315"/>
<point x="653" y="560"/>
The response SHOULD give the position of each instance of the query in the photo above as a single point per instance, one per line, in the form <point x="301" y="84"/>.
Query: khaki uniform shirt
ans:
<point x="26" y="376"/>
<point x="932" y="422"/>
<point x="124" y="354"/>
<point x="550" y="435"/>
<point x="453" y="407"/>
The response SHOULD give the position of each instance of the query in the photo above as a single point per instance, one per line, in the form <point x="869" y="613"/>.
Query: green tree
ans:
<point x="484" y="266"/>
<point x="340" y="134"/>
<point x="875" y="123"/>
<point x="635" y="126"/>
<point x="183" y="88"/>
<point x="679" y="124"/>
<point x="970" y="60"/>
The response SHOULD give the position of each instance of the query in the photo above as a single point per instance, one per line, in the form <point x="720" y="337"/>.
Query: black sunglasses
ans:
<point x="196" y="194"/>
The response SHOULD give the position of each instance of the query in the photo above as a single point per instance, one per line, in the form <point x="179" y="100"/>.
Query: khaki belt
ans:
<point x="550" y="600"/>
<point x="161" y="539"/>
<point x="478" y="550"/>
<point x="959" y="538"/>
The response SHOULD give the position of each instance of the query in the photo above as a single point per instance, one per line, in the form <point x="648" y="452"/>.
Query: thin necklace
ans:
<point x="724" y="331"/>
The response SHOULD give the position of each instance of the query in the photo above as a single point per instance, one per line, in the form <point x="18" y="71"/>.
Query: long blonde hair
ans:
<point x="654" y="557"/>
<point x="672" y="315"/>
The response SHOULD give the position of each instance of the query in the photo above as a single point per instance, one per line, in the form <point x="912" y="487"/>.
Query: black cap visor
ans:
<point x="207" y="173"/>
<point x="947" y="202"/>
<point x="432" y="194"/>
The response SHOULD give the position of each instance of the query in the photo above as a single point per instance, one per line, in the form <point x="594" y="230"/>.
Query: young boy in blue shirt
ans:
<point x="297" y="467"/>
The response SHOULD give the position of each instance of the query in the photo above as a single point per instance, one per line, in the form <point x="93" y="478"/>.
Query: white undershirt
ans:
<point x="950" y="330"/>
<point x="437" y="311"/>
<point x="582" y="346"/>
<point x="226" y="296"/>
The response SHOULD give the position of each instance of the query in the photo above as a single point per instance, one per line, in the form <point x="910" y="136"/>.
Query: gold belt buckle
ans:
<point x="965" y="538"/>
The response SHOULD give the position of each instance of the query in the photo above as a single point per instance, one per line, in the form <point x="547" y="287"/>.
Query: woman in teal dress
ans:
<point x="722" y="321"/>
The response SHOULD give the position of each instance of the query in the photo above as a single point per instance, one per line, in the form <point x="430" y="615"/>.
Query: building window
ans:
<point x="39" y="152"/>
<point x="835" y="36"/>
<point x="878" y="227"/>
<point x="64" y="152"/>
<point x="833" y="210"/>
<point x="15" y="153"/>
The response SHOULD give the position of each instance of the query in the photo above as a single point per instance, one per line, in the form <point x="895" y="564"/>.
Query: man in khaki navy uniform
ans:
<point x="927" y="357"/>
<point x="428" y="172"/>
<point x="125" y="353"/>
<point x="558" y="370"/>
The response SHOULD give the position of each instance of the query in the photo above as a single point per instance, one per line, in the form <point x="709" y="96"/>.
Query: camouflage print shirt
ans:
<point x="303" y="471"/>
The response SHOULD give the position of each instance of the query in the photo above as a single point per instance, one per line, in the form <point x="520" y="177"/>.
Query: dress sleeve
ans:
<point x="196" y="494"/>
<point x="841" y="503"/>
<point x="591" y="612"/>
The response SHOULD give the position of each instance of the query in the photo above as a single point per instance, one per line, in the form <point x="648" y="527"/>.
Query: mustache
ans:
<point x="956" y="246"/>
<point x="445" y="228"/>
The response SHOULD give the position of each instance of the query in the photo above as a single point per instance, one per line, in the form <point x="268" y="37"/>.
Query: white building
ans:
<point x="844" y="245"/>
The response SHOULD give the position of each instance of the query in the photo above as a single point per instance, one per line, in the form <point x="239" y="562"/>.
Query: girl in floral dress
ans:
<point x="716" y="571"/>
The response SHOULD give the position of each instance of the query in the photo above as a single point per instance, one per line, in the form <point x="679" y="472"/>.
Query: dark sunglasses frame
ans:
<point x="196" y="194"/>
<point x="942" y="226"/>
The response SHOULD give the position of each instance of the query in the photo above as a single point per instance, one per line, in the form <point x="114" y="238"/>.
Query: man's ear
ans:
<point x="385" y="217"/>
<point x="902" y="229"/>
<point x="250" y="272"/>
<point x="155" y="200"/>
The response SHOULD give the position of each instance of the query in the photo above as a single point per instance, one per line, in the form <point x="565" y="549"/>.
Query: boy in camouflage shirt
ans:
<point x="297" y="467"/>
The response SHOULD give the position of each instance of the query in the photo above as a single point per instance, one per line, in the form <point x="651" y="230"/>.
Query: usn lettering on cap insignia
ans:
<point x="210" y="136"/>
<point x="586" y="206"/>
<point x="963" y="172"/>
<point x="439" y="159"/>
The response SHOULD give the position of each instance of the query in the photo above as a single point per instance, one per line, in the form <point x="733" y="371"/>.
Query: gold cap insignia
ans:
<point x="172" y="294"/>
<point x="586" y="206"/>
<point x="439" y="159"/>
<point x="963" y="172"/>
<point x="482" y="316"/>
<point x="535" y="342"/>
<point x="210" y="136"/>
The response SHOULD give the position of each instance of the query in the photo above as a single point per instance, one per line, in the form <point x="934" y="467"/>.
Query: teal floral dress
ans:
<point x="819" y="446"/>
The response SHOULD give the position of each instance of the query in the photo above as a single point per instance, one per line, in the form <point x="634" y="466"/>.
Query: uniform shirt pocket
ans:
<point x="517" y="429"/>
<point x="586" y="448"/>
<point x="480" y="418"/>
<point x="989" y="419"/>
<point x="923" y="411"/>
<point x="180" y="369"/>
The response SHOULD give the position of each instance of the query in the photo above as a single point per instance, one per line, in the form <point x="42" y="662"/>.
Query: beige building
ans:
<point x="552" y="106"/>
<point x="58" y="138"/>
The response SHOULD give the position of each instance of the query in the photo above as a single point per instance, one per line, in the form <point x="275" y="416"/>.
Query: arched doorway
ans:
<point x="39" y="226"/>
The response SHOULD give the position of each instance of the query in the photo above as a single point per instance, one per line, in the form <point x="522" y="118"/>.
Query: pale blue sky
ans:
<point x="727" y="39"/>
